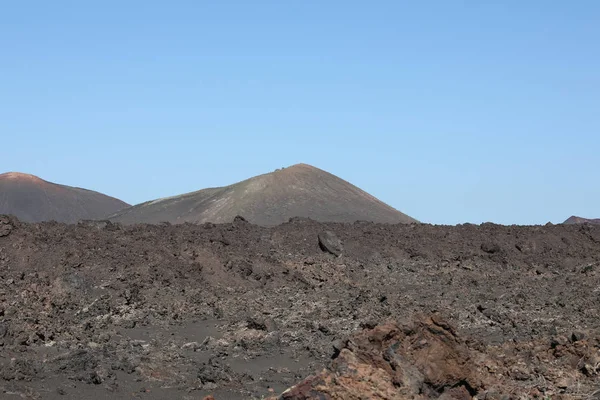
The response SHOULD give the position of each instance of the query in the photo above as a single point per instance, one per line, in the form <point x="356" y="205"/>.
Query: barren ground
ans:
<point x="103" y="311"/>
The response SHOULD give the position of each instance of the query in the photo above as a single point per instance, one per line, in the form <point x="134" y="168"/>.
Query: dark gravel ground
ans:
<point x="98" y="310"/>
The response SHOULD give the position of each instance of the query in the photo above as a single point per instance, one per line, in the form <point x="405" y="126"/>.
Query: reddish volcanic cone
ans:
<point x="32" y="199"/>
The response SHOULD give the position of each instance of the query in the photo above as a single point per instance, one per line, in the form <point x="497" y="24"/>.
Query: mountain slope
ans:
<point x="270" y="199"/>
<point x="579" y="220"/>
<point x="32" y="199"/>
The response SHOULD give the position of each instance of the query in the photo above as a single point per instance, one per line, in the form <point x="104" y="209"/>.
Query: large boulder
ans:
<point x="329" y="242"/>
<point x="396" y="362"/>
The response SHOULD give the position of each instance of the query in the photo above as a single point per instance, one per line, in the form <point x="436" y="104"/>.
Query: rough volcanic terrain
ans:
<point x="270" y="199"/>
<point x="302" y="310"/>
<point x="32" y="199"/>
<point x="580" y="220"/>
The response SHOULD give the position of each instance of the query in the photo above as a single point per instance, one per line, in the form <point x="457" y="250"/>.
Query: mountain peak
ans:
<point x="299" y="168"/>
<point x="302" y="166"/>
<point x="580" y="220"/>
<point x="20" y="176"/>
<point x="32" y="199"/>
<point x="300" y="190"/>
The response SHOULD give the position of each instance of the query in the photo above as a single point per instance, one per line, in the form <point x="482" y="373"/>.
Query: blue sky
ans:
<point x="450" y="111"/>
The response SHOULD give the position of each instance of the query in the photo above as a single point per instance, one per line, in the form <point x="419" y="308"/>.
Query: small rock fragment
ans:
<point x="337" y="345"/>
<point x="239" y="218"/>
<point x="490" y="248"/>
<point x="5" y="226"/>
<point x="558" y="341"/>
<point x="577" y="336"/>
<point x="193" y="346"/>
<point x="563" y="383"/>
<point x="261" y="324"/>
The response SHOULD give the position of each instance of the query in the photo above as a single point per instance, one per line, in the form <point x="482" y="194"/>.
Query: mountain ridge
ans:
<point x="580" y="220"/>
<point x="300" y="190"/>
<point x="33" y="199"/>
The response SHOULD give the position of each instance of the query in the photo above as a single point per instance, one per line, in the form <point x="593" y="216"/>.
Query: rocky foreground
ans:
<point x="298" y="311"/>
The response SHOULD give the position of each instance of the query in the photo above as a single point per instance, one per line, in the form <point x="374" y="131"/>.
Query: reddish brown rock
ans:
<point x="396" y="362"/>
<point x="427" y="360"/>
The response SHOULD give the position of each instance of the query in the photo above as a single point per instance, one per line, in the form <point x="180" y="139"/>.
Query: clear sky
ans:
<point x="450" y="111"/>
